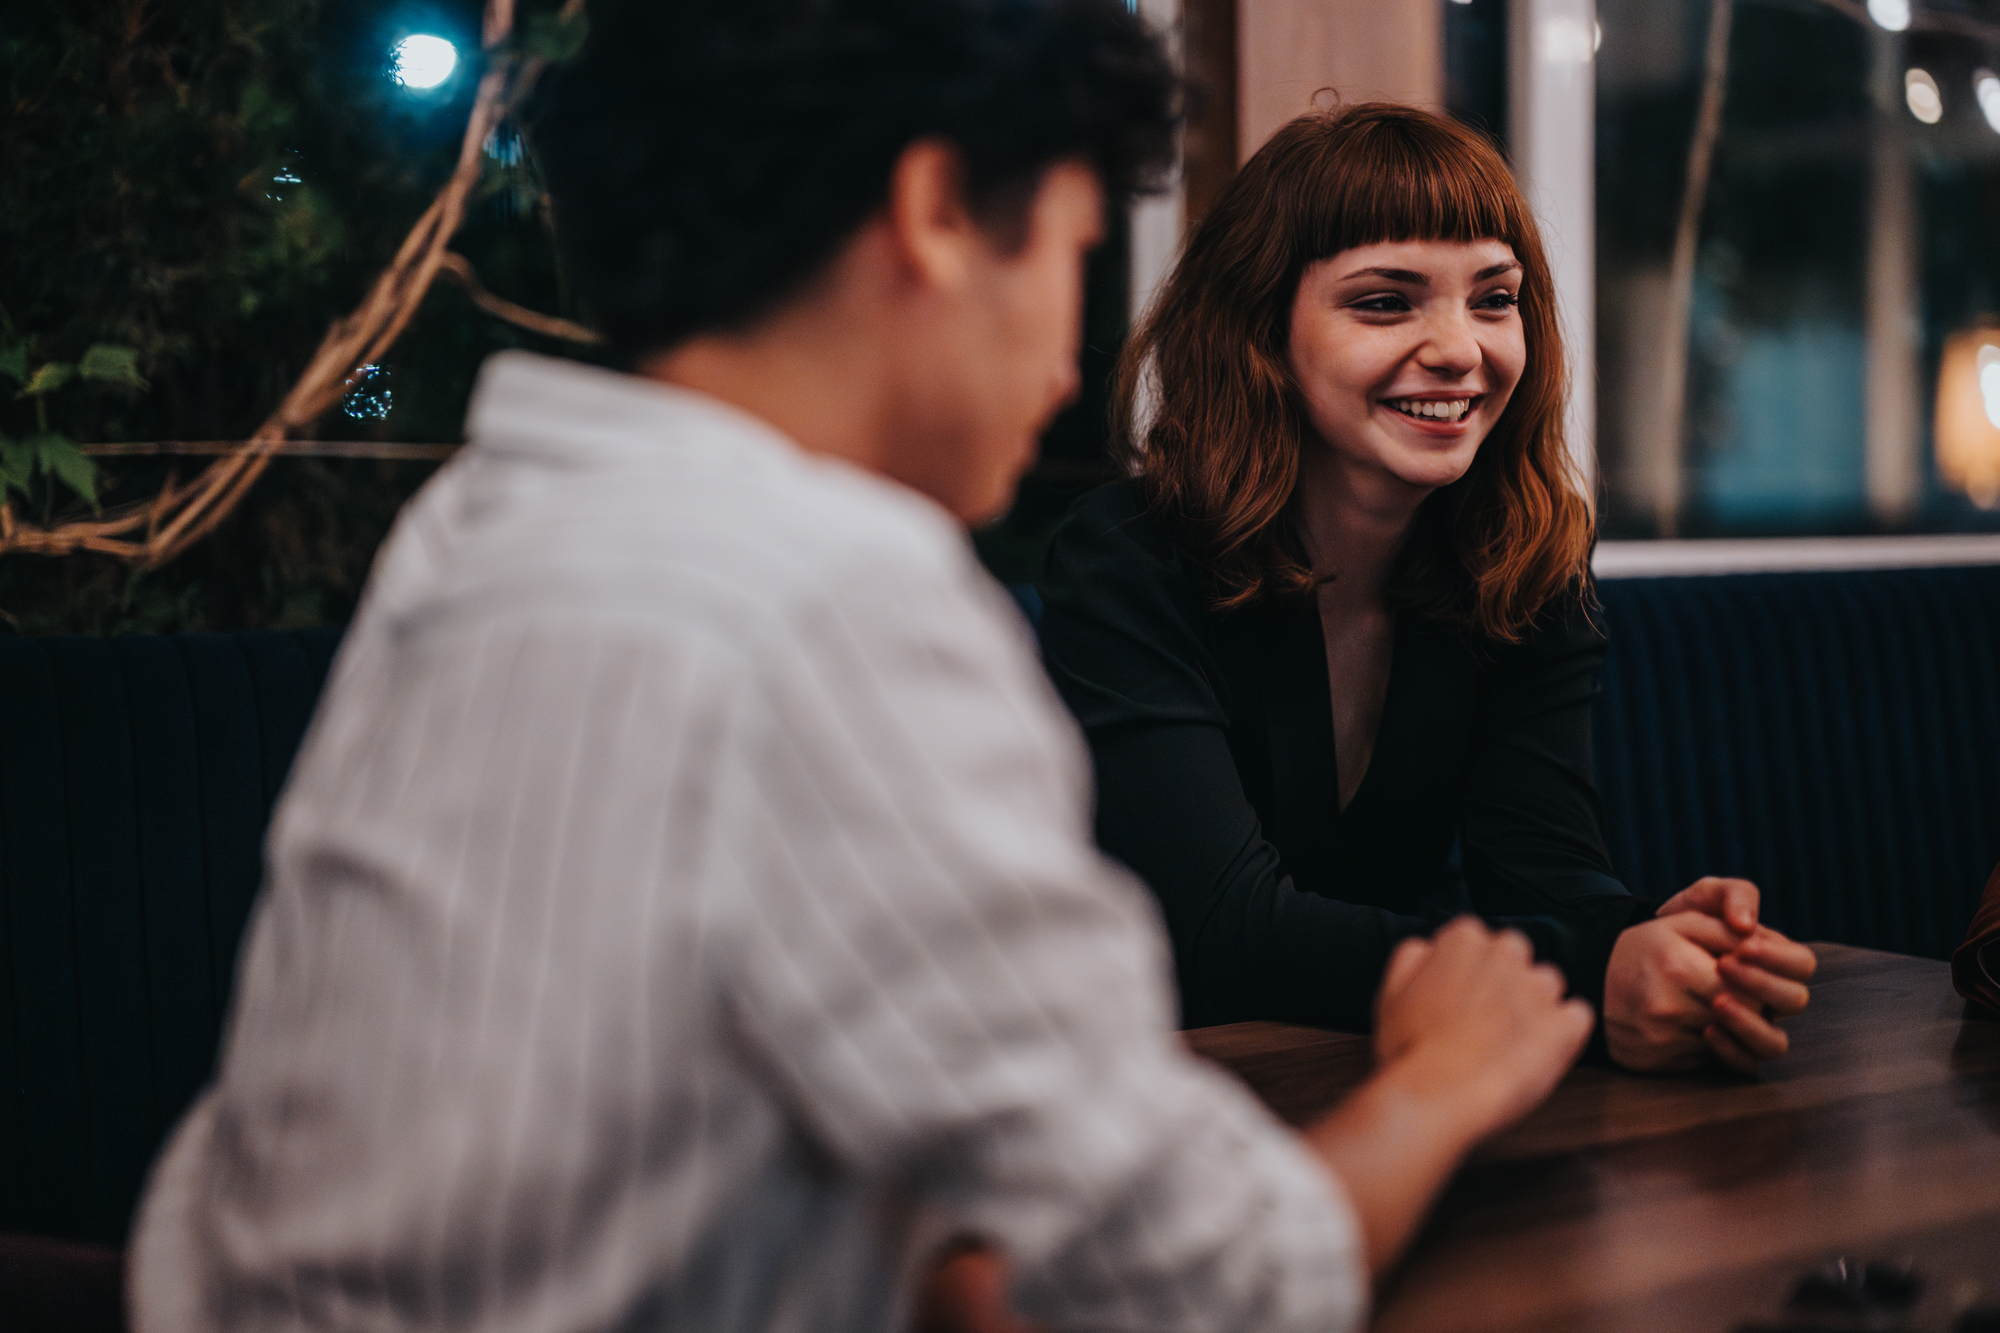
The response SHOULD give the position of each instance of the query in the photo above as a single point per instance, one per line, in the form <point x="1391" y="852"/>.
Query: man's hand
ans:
<point x="1471" y="1007"/>
<point x="1703" y="977"/>
<point x="1470" y="1034"/>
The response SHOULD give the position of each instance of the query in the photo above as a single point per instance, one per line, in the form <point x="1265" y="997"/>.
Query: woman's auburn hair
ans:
<point x="1219" y="458"/>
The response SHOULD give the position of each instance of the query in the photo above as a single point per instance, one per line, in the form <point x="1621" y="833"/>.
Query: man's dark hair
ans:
<point x="707" y="157"/>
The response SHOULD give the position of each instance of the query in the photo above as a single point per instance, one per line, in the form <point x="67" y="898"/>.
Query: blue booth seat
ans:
<point x="1833" y="736"/>
<point x="136" y="778"/>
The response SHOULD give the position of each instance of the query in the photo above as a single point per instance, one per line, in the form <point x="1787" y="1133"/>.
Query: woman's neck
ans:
<point x="1354" y="524"/>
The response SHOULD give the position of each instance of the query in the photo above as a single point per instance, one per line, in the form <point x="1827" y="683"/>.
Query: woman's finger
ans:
<point x="1734" y="902"/>
<point x="1737" y="903"/>
<point x="1741" y="1020"/>
<point x="1729" y="1050"/>
<point x="1707" y="931"/>
<point x="1774" y="953"/>
<point x="1779" y="994"/>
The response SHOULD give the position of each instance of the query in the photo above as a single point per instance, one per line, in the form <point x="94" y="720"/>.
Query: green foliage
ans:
<point x="46" y="455"/>
<point x="111" y="365"/>
<point x="193" y="192"/>
<point x="48" y="377"/>
<point x="30" y="466"/>
<point x="206" y="184"/>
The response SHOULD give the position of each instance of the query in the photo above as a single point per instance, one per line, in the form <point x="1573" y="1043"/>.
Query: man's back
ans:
<point x="683" y="915"/>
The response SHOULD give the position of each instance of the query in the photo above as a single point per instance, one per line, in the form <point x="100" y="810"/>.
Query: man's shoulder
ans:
<point x="664" y="510"/>
<point x="842" y="522"/>
<point x="809" y="534"/>
<point x="745" y="559"/>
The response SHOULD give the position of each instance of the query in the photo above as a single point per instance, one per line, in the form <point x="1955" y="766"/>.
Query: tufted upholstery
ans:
<point x="136" y="777"/>
<point x="1833" y="736"/>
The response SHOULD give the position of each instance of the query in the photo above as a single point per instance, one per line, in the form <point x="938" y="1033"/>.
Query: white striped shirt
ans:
<point x="683" y="915"/>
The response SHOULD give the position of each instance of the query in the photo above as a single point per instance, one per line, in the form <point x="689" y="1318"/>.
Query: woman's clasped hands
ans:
<point x="1702" y="978"/>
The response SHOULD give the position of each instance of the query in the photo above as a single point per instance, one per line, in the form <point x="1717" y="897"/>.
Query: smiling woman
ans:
<point x="1333" y="646"/>
<point x="1220" y="458"/>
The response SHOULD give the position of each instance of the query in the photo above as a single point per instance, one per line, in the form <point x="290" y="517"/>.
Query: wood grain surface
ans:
<point x="1699" y="1202"/>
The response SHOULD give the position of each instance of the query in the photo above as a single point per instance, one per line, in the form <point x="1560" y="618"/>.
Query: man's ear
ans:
<point x="931" y="229"/>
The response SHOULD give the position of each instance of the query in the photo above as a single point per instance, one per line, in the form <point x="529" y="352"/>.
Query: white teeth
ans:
<point x="1453" y="409"/>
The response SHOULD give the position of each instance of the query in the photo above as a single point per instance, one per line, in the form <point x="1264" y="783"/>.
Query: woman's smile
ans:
<point x="1435" y="412"/>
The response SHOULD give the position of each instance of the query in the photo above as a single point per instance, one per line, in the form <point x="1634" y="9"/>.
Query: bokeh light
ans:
<point x="422" y="61"/>
<point x="1966" y="419"/>
<point x="1920" y="91"/>
<point x="1891" y="14"/>
<point x="1989" y="381"/>
<point x="368" y="397"/>
<point x="1986" y="86"/>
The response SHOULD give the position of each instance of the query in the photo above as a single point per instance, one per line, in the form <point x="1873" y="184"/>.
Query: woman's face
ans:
<point x="1407" y="352"/>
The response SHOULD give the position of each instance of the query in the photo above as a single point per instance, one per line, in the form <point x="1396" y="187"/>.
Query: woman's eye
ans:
<point x="1388" y="303"/>
<point x="1500" y="301"/>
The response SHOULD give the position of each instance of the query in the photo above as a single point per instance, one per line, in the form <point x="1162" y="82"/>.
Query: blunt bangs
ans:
<point x="1373" y="180"/>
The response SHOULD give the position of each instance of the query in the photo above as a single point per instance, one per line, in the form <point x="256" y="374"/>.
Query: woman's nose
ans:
<point x="1450" y="347"/>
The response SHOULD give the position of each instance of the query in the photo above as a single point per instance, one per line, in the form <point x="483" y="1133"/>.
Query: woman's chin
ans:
<point x="1432" y="471"/>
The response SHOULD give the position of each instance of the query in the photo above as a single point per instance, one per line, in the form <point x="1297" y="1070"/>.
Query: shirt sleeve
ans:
<point x="947" y="984"/>
<point x="1531" y="822"/>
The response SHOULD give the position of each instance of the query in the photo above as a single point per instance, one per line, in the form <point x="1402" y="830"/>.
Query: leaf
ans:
<point x="17" y="466"/>
<point x="48" y="377"/>
<point x="14" y="362"/>
<point x="69" y="464"/>
<point x="108" y="363"/>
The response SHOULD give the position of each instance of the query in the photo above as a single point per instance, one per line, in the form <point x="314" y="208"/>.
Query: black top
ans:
<point x="1213" y="739"/>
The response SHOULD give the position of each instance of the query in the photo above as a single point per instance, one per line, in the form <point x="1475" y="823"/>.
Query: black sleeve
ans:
<point x="1123" y="638"/>
<point x="1530" y="820"/>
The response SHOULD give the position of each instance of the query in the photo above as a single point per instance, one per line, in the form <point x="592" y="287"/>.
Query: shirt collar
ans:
<point x="542" y="407"/>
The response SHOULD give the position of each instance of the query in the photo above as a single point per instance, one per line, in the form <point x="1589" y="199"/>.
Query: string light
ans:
<point x="422" y="61"/>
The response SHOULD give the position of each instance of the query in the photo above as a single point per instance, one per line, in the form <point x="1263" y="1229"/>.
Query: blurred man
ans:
<point x="1975" y="964"/>
<point x="683" y="913"/>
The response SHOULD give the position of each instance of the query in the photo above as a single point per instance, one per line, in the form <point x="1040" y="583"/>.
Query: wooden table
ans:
<point x="1698" y="1202"/>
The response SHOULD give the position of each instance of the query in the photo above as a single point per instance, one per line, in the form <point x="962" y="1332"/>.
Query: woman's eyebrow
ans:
<point x="1495" y="271"/>
<point x="1392" y="274"/>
